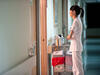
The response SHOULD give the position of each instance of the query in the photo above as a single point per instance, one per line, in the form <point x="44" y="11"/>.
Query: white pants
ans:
<point x="77" y="63"/>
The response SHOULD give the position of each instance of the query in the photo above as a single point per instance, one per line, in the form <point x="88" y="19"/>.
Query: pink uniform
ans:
<point x="76" y="47"/>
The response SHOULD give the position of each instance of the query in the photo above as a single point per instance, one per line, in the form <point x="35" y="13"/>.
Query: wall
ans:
<point x="25" y="68"/>
<point x="14" y="32"/>
<point x="50" y="23"/>
<point x="65" y="17"/>
<point x="92" y="0"/>
<point x="59" y="14"/>
<point x="69" y="18"/>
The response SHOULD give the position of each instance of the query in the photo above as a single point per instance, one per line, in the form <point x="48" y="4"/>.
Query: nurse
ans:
<point x="75" y="37"/>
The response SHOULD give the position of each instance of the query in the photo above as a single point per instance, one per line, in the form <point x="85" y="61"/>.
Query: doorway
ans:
<point x="93" y="14"/>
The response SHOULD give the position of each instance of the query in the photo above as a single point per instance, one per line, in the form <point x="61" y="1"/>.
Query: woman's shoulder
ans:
<point x="77" y="20"/>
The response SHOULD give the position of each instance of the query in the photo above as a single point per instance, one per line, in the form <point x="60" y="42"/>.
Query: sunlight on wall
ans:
<point x="50" y="23"/>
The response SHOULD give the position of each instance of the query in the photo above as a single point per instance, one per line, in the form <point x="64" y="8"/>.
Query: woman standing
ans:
<point x="75" y="37"/>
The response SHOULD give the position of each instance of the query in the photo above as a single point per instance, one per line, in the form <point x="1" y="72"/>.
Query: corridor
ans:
<point x="28" y="32"/>
<point x="91" y="30"/>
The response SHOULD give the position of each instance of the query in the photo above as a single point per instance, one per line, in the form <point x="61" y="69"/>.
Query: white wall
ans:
<point x="25" y="68"/>
<point x="50" y="23"/>
<point x="14" y="32"/>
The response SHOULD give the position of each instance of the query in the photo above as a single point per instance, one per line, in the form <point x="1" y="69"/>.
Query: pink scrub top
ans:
<point x="76" y="44"/>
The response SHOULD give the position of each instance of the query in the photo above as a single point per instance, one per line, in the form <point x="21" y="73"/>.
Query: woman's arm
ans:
<point x="70" y="35"/>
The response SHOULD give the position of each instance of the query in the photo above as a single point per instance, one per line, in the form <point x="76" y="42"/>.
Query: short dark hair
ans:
<point x="78" y="10"/>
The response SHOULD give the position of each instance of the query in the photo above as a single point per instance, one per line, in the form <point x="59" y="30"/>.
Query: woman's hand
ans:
<point x="68" y="37"/>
